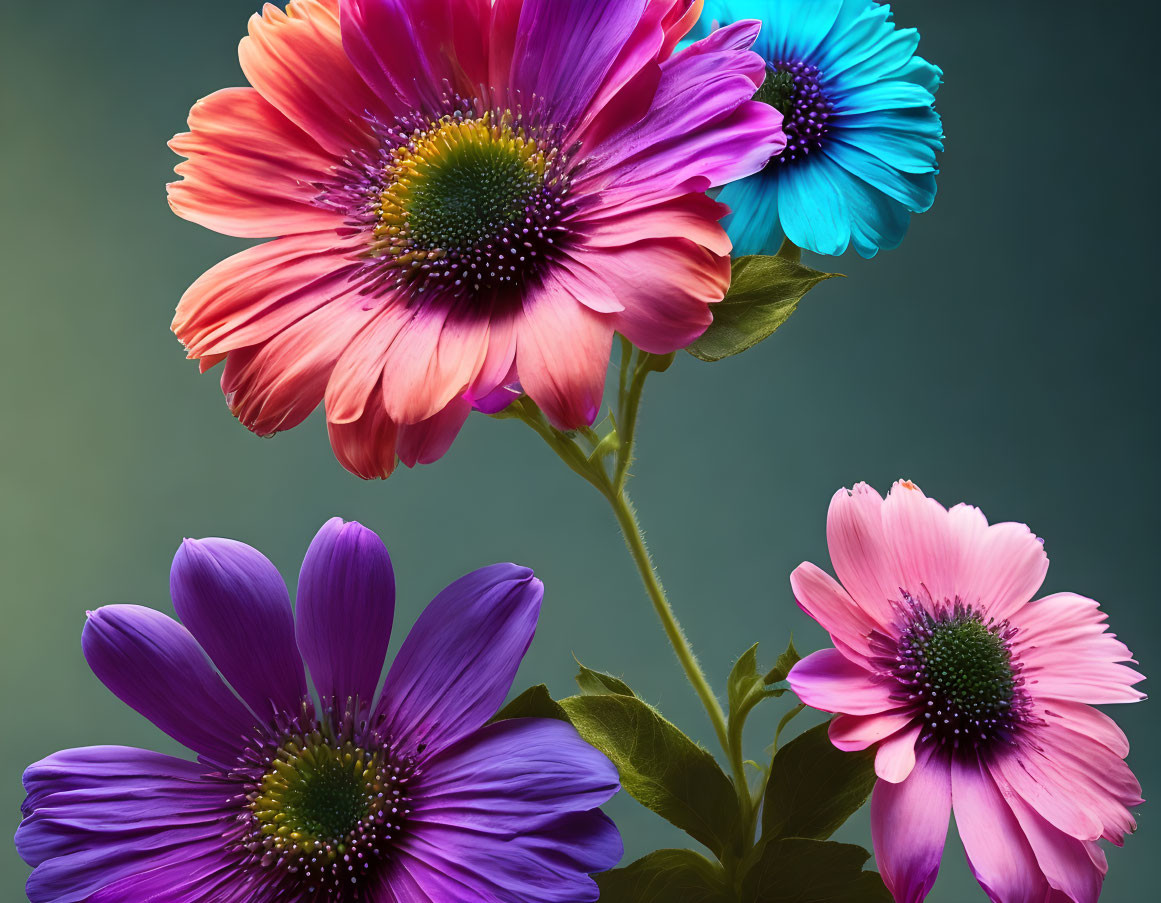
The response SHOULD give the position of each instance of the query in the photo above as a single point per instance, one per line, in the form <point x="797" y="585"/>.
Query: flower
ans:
<point x="975" y="697"/>
<point x="409" y="794"/>
<point x="861" y="128"/>
<point x="468" y="199"/>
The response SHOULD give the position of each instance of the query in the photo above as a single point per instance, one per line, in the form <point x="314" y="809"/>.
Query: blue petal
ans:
<point x="888" y="95"/>
<point x="753" y="224"/>
<point x="877" y="222"/>
<point x="901" y="139"/>
<point x="915" y="191"/>
<point x="812" y="208"/>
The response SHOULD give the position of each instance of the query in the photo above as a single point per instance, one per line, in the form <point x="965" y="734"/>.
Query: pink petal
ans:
<point x="276" y="385"/>
<point x="909" y="828"/>
<point x="859" y="552"/>
<point x="296" y="61"/>
<point x="1071" y="866"/>
<point x="407" y="49"/>
<point x="1089" y="722"/>
<point x="1001" y="566"/>
<point x="823" y="598"/>
<point x="895" y="758"/>
<point x="360" y="369"/>
<point x="428" y="441"/>
<point x="855" y="732"/>
<point x="691" y="216"/>
<point x="829" y="681"/>
<point x="1068" y="653"/>
<point x="253" y="295"/>
<point x="997" y="850"/>
<point x="500" y="359"/>
<point x="366" y="447"/>
<point x="666" y="287"/>
<point x="562" y="352"/>
<point x="250" y="172"/>
<point x="431" y="361"/>
<point x="924" y="550"/>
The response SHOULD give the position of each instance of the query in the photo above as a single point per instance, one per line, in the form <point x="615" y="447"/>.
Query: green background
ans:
<point x="1004" y="356"/>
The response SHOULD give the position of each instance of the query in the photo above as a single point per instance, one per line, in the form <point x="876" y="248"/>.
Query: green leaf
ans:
<point x="598" y="683"/>
<point x="666" y="876"/>
<point x="814" y="787"/>
<point x="747" y="687"/>
<point x="786" y="661"/>
<point x="661" y="767"/>
<point x="764" y="292"/>
<point x="535" y="702"/>
<point x="797" y="870"/>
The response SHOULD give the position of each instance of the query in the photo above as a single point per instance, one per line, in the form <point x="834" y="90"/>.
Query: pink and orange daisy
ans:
<point x="467" y="201"/>
<point x="976" y="698"/>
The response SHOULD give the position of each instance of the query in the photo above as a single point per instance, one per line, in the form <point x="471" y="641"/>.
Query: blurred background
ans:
<point x="1006" y="356"/>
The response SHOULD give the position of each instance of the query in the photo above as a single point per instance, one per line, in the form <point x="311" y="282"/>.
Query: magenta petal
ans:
<point x="235" y="603"/>
<point x="895" y="757"/>
<point x="855" y="732"/>
<point x="565" y="48"/>
<point x="154" y="665"/>
<point x="997" y="850"/>
<point x="830" y="681"/>
<point x="456" y="666"/>
<point x="346" y="602"/>
<point x="1071" y="866"/>
<point x="909" y="827"/>
<point x="824" y="599"/>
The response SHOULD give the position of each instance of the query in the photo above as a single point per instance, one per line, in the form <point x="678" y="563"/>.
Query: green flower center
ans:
<point x="778" y="91"/>
<point x="967" y="665"/>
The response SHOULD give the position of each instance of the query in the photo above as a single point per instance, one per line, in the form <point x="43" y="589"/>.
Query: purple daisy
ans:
<point x="407" y="795"/>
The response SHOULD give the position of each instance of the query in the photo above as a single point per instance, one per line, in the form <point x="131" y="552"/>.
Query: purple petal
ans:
<point x="460" y="659"/>
<point x="549" y="865"/>
<point x="701" y="129"/>
<point x="515" y="776"/>
<point x="565" y="48"/>
<point x="909" y="827"/>
<point x="346" y="600"/>
<point x="154" y="665"/>
<point x="235" y="603"/>
<point x="100" y="816"/>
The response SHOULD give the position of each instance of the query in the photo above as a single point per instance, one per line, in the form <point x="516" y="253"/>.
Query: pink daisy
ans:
<point x="977" y="698"/>
<point x="467" y="200"/>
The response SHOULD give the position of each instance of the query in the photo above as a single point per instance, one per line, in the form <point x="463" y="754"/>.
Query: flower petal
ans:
<point x="458" y="663"/>
<point x="909" y="828"/>
<point x="276" y="385"/>
<point x="251" y="172"/>
<point x="1073" y="867"/>
<point x="155" y="666"/>
<point x="923" y="547"/>
<point x="296" y="61"/>
<point x="366" y="447"/>
<point x="256" y="294"/>
<point x="895" y="757"/>
<point x="235" y="603"/>
<point x="1068" y="653"/>
<point x="830" y="681"/>
<point x="701" y="130"/>
<point x="562" y="352"/>
<point x="513" y="777"/>
<point x="997" y="850"/>
<point x="1001" y="566"/>
<point x="855" y="732"/>
<point x="549" y="865"/>
<point x="346" y="601"/>
<point x="823" y="598"/>
<point x="666" y="287"/>
<point x="859" y="551"/>
<point x="428" y="441"/>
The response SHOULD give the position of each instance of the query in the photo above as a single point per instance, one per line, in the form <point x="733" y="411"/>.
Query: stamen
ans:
<point x="792" y="87"/>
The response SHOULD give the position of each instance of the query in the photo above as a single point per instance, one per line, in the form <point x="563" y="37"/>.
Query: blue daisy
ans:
<point x="861" y="127"/>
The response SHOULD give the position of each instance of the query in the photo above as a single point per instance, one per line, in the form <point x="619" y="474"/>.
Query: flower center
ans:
<point x="324" y="810"/>
<point x="957" y="670"/>
<point x="792" y="88"/>
<point x="470" y="203"/>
